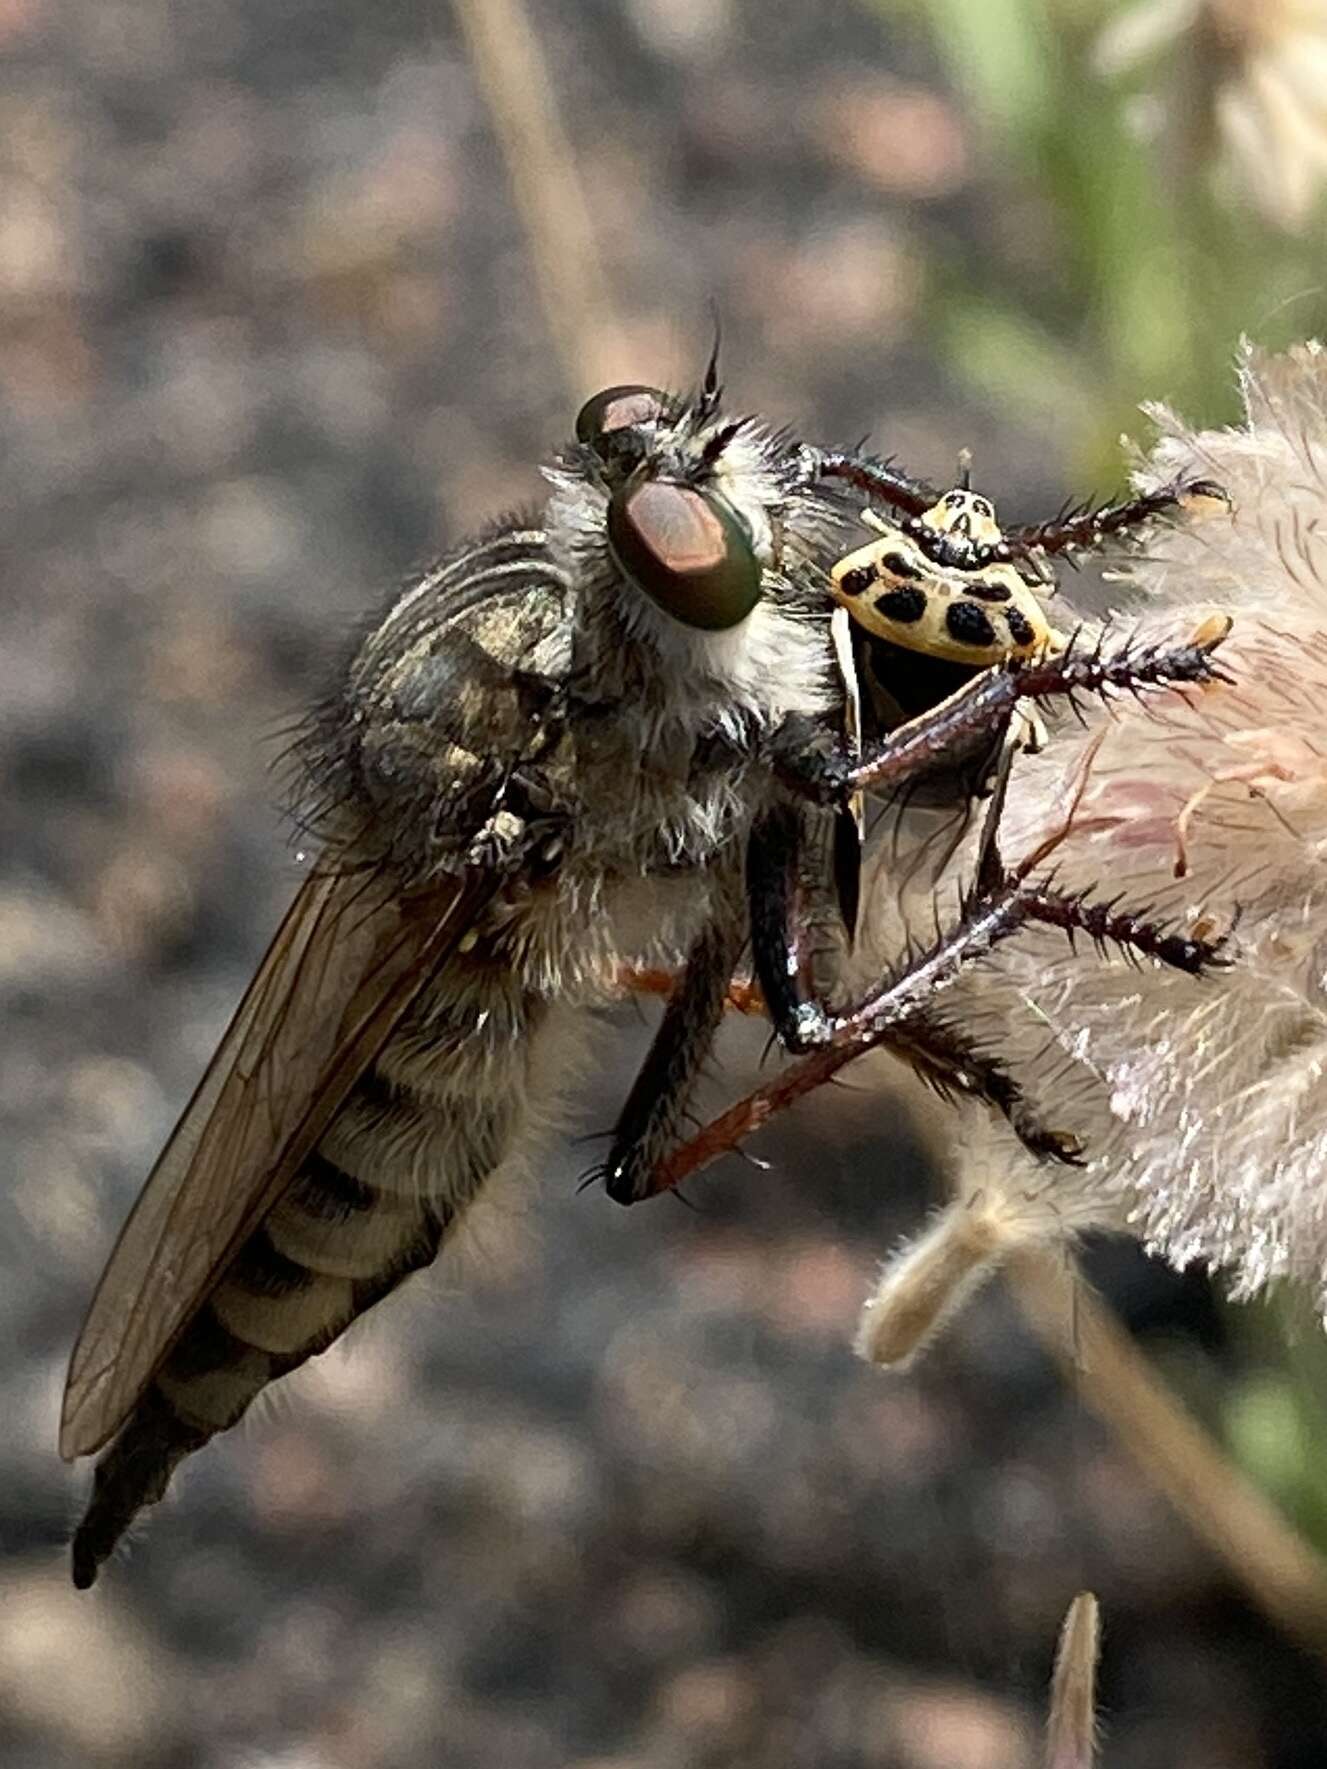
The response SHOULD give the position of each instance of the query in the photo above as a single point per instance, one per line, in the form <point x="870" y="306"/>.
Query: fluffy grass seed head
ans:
<point x="1203" y="1103"/>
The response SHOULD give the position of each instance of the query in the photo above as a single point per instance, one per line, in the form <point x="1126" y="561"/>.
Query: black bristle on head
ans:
<point x="711" y="388"/>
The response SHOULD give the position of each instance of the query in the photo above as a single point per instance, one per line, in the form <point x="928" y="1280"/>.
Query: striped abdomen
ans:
<point x="406" y="1153"/>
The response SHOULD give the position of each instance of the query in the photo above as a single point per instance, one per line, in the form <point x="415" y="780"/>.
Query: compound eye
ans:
<point x="688" y="553"/>
<point x="617" y="408"/>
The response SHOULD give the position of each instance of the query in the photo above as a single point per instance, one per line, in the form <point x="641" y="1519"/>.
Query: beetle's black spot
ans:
<point x="899" y="565"/>
<point x="985" y="592"/>
<point x="969" y="624"/>
<point x="1021" y="630"/>
<point x="857" y="581"/>
<point x="902" y="605"/>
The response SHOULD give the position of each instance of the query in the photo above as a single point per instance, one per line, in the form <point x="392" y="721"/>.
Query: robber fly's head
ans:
<point x="690" y="499"/>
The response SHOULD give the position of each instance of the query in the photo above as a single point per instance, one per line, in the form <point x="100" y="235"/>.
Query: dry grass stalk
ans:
<point x="1071" y="1731"/>
<point x="1283" y="1573"/>
<point x="578" y="309"/>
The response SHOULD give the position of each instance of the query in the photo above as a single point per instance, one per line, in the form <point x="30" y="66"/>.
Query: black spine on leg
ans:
<point x="827" y="776"/>
<point x="1081" y="530"/>
<point x="878" y="478"/>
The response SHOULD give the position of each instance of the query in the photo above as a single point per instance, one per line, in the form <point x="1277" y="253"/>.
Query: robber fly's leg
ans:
<point x="879" y="478"/>
<point x="803" y="1023"/>
<point x="937" y="1053"/>
<point x="771" y="872"/>
<point x="991" y="918"/>
<point x="807" y="766"/>
<point x="947" y="1060"/>
<point x="1134" y="931"/>
<point x="1083" y="529"/>
<point x="650" y="1120"/>
<point x="900" y="1017"/>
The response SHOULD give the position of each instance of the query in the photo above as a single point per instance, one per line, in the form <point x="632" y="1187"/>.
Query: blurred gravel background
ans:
<point x="610" y="1492"/>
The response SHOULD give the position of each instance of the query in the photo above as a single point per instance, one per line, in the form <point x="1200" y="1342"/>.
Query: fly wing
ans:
<point x="345" y="965"/>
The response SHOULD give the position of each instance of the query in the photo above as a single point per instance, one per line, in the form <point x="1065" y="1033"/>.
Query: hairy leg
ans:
<point x="1082" y="530"/>
<point x="880" y="479"/>
<point x="899" y="1017"/>
<point x="814" y="768"/>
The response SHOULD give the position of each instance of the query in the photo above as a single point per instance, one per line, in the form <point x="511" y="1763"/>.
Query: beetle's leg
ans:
<point x="879" y="478"/>
<point x="649" y="1121"/>
<point x="1083" y="529"/>
<point x="808" y="767"/>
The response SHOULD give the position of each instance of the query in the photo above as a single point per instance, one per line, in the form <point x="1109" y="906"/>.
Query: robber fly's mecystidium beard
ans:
<point x="538" y="766"/>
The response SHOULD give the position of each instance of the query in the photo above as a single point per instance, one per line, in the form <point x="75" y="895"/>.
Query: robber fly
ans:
<point x="583" y="741"/>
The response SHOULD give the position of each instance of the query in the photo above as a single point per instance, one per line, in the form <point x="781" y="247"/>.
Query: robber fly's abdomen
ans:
<point x="374" y="1202"/>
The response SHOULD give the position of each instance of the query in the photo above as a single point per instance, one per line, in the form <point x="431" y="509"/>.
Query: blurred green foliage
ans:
<point x="1274" y="1414"/>
<point x="1137" y="263"/>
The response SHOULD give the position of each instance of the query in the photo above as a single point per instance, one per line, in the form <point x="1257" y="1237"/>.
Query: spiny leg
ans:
<point x="1080" y="530"/>
<point x="952" y="1064"/>
<point x="827" y="776"/>
<point x="879" y="478"/>
<point x="890" y="1016"/>
<point x="938" y="1052"/>
<point x="897" y="1017"/>
<point x="941" y="1055"/>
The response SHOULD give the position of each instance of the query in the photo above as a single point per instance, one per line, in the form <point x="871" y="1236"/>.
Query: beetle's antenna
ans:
<point x="965" y="469"/>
